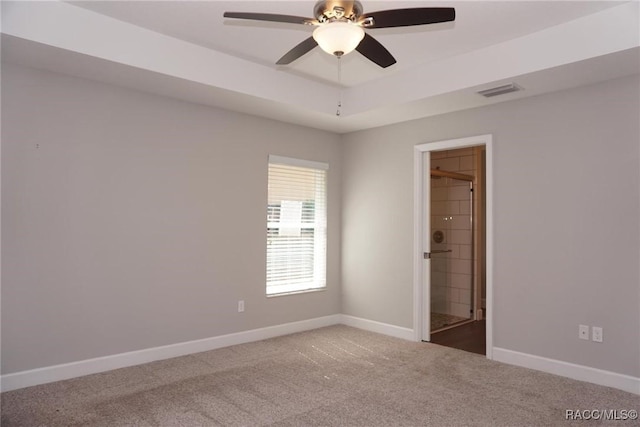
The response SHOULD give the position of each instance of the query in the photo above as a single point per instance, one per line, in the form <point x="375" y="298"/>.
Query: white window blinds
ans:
<point x="296" y="225"/>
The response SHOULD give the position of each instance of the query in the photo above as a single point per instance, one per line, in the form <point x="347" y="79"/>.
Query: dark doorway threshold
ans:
<point x="468" y="337"/>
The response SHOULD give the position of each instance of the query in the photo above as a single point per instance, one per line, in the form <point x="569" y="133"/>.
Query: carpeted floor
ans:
<point x="335" y="376"/>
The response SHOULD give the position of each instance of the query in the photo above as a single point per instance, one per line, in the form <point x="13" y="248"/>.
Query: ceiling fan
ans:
<point x="340" y="26"/>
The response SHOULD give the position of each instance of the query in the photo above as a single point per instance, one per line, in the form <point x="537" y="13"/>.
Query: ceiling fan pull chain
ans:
<point x="338" y="111"/>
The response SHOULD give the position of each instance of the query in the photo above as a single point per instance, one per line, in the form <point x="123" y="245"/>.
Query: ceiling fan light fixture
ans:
<point x="339" y="37"/>
<point x="340" y="27"/>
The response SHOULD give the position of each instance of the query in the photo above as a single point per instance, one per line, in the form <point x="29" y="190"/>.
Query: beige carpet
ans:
<point x="335" y="376"/>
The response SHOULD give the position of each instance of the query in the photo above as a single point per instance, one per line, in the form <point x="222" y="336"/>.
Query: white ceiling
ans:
<point x="478" y="25"/>
<point x="187" y="50"/>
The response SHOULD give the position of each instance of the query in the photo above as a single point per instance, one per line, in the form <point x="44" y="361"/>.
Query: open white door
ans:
<point x="426" y="245"/>
<point x="424" y="252"/>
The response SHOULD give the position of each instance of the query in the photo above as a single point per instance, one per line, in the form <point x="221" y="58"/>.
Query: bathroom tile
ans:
<point x="439" y="154"/>
<point x="439" y="246"/>
<point x="439" y="207"/>
<point x="465" y="207"/>
<point x="460" y="281"/>
<point x="438" y="223"/>
<point x="458" y="309"/>
<point x="453" y="207"/>
<point x="459" y="193"/>
<point x="460" y="222"/>
<point x="460" y="182"/>
<point x="461" y="266"/>
<point x="438" y="265"/>
<point x="448" y="164"/>
<point x="455" y="251"/>
<point x="437" y="182"/>
<point x="441" y="295"/>
<point x="464" y="252"/>
<point x="439" y="306"/>
<point x="466" y="163"/>
<point x="438" y="293"/>
<point x="446" y="221"/>
<point x="453" y="295"/>
<point x="443" y="213"/>
<point x="439" y="261"/>
<point x="464" y="296"/>
<point x="439" y="278"/>
<point x="460" y="152"/>
<point x="460" y="236"/>
<point x="439" y="194"/>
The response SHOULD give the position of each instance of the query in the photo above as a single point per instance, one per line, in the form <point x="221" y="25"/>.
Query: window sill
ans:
<point x="305" y="291"/>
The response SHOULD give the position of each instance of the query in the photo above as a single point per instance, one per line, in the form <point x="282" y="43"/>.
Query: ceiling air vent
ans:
<point x="500" y="90"/>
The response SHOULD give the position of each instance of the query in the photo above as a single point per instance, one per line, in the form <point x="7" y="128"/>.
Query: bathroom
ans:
<point x="457" y="239"/>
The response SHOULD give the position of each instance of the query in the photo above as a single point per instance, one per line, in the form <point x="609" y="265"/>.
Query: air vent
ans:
<point x="500" y="90"/>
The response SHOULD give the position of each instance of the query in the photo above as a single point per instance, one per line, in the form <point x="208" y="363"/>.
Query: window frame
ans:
<point x="318" y="281"/>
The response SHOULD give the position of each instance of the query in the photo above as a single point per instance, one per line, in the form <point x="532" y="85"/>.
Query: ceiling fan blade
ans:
<point x="408" y="17"/>
<point x="271" y="17"/>
<point x="375" y="52"/>
<point x="297" y="51"/>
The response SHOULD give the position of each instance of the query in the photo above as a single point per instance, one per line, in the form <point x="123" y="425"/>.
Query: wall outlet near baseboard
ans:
<point x="583" y="332"/>
<point x="596" y="334"/>
<point x="240" y="306"/>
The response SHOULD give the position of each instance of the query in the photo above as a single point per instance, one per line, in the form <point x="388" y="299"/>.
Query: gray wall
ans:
<point x="139" y="221"/>
<point x="566" y="206"/>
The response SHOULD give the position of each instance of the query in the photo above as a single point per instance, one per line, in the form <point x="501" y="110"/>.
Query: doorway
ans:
<point x="453" y="230"/>
<point x="453" y="283"/>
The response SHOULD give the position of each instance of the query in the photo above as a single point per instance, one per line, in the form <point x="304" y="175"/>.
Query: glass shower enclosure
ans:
<point x="452" y="253"/>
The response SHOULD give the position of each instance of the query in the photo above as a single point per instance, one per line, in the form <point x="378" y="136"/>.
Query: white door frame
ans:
<point x="421" y="195"/>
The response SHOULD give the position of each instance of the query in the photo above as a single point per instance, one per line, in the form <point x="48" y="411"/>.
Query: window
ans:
<point x="296" y="225"/>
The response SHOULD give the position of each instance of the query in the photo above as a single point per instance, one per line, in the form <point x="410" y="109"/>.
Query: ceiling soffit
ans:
<point x="179" y="66"/>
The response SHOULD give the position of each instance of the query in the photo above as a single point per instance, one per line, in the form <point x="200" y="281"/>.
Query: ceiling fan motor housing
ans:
<point x="337" y="10"/>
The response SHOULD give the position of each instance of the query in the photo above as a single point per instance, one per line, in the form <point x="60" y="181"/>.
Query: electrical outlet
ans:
<point x="596" y="334"/>
<point x="583" y="332"/>
<point x="240" y="306"/>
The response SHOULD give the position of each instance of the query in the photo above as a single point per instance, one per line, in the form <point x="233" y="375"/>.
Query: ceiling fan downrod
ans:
<point x="339" y="110"/>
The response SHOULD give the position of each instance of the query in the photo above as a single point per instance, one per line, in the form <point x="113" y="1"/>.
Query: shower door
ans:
<point x="451" y="255"/>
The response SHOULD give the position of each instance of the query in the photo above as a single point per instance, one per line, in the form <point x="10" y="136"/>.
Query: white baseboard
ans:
<point x="569" y="370"/>
<point x="100" y="364"/>
<point x="379" y="327"/>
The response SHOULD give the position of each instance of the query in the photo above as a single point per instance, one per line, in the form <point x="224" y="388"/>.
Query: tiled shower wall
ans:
<point x="451" y="273"/>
